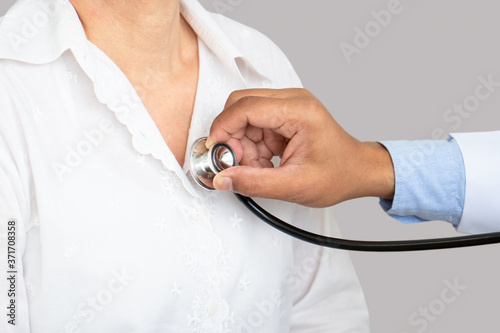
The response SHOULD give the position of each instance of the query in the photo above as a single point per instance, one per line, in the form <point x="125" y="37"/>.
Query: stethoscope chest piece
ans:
<point x="206" y="163"/>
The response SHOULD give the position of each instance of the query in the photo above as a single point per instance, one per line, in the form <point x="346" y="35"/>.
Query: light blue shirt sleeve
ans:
<point x="430" y="181"/>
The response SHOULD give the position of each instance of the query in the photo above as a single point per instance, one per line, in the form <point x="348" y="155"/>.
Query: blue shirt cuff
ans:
<point x="430" y="181"/>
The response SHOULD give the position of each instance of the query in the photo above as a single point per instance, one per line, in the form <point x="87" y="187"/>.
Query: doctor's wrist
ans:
<point x="379" y="178"/>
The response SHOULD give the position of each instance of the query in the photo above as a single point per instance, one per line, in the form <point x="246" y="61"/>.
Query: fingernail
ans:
<point x="224" y="184"/>
<point x="209" y="143"/>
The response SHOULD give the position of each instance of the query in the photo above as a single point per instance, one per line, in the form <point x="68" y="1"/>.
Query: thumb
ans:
<point x="271" y="183"/>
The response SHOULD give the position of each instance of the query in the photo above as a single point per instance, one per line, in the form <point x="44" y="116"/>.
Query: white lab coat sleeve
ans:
<point x="14" y="212"/>
<point x="481" y="155"/>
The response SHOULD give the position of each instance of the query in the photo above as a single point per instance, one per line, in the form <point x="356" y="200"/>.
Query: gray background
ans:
<point x="427" y="59"/>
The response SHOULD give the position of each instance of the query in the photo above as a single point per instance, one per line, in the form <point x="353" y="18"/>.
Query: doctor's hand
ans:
<point x="321" y="164"/>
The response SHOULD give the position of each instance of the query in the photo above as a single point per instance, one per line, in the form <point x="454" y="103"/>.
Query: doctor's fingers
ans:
<point x="282" y="111"/>
<point x="288" y="93"/>
<point x="283" y="183"/>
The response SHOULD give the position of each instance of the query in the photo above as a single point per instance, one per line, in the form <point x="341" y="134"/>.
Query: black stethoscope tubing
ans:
<point x="368" y="246"/>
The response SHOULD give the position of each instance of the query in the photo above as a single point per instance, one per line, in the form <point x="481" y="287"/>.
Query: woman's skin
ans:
<point x="157" y="50"/>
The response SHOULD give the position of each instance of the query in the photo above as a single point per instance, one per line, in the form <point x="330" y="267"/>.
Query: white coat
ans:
<point x="481" y="154"/>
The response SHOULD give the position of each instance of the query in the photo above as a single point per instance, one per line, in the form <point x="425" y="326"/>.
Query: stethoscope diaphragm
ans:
<point x="206" y="163"/>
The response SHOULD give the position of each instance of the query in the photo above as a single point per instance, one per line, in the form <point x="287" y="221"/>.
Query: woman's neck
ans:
<point x="138" y="34"/>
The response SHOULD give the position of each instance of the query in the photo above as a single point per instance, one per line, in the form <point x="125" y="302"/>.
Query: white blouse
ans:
<point x="108" y="232"/>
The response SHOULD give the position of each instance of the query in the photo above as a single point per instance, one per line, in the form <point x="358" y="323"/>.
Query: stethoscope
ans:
<point x="206" y="163"/>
